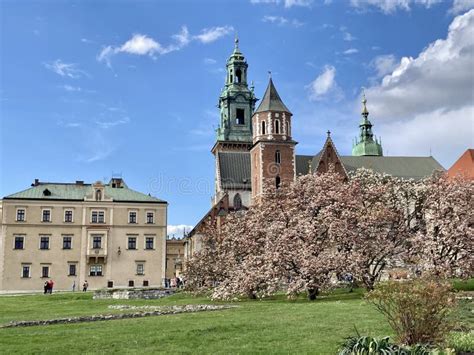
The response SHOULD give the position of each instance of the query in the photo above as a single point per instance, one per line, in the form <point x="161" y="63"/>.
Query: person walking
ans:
<point x="46" y="286"/>
<point x="85" y="286"/>
<point x="74" y="286"/>
<point x="51" y="284"/>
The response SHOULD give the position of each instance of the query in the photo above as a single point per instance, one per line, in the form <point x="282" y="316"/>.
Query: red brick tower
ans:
<point x="273" y="152"/>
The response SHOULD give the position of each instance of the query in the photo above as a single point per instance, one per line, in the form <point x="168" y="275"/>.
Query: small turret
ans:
<point x="366" y="144"/>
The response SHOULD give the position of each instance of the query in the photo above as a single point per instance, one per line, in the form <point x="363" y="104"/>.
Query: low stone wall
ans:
<point x="157" y="311"/>
<point x="132" y="293"/>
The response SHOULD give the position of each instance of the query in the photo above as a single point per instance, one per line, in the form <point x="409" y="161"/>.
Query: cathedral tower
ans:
<point x="236" y="105"/>
<point x="273" y="152"/>
<point x="367" y="144"/>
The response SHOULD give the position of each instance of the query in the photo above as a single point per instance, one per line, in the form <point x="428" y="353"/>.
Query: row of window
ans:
<point x="44" y="242"/>
<point x="45" y="270"/>
<point x="276" y="127"/>
<point x="94" y="270"/>
<point x="96" y="216"/>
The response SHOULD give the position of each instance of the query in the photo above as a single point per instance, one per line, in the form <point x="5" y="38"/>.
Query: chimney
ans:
<point x="36" y="183"/>
<point x="79" y="182"/>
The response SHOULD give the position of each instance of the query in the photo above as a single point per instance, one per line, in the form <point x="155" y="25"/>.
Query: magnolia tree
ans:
<point x="299" y="237"/>
<point x="444" y="241"/>
<point x="372" y="227"/>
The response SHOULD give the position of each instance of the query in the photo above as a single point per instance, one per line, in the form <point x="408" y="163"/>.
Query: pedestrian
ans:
<point x="74" y="286"/>
<point x="85" y="286"/>
<point x="46" y="284"/>
<point x="173" y="282"/>
<point x="51" y="284"/>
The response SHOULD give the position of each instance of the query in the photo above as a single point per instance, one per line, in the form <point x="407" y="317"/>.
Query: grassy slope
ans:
<point x="269" y="326"/>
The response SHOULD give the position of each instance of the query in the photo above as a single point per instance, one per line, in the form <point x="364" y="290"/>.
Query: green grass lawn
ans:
<point x="269" y="326"/>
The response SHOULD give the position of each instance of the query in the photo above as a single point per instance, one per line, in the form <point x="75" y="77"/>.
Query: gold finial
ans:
<point x="365" y="112"/>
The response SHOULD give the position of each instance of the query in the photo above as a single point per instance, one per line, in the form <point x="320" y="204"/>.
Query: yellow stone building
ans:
<point x="105" y="234"/>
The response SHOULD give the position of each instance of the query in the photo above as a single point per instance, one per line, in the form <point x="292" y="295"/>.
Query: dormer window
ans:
<point x="98" y="195"/>
<point x="46" y="192"/>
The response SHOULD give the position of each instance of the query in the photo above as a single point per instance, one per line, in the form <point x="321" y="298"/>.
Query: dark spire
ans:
<point x="271" y="100"/>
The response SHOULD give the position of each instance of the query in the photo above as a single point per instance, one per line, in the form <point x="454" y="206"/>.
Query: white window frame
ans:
<point x="14" y="241"/>
<point x="144" y="242"/>
<point x="72" y="215"/>
<point x="153" y="217"/>
<point x="16" y="214"/>
<point x="136" y="241"/>
<point x="49" y="241"/>
<point x="98" y="219"/>
<point x="49" y="271"/>
<point x="50" y="215"/>
<point x="142" y="268"/>
<point x="69" y="268"/>
<point x="23" y="265"/>
<point x="70" y="236"/>
<point x="136" y="216"/>
<point x="96" y="266"/>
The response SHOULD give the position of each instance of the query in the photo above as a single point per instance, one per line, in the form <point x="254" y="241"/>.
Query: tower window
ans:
<point x="288" y="128"/>
<point x="277" y="182"/>
<point x="238" y="75"/>
<point x="277" y="157"/>
<point x="277" y="126"/>
<point x="240" y="116"/>
<point x="263" y="127"/>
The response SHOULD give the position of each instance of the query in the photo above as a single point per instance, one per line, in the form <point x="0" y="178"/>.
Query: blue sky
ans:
<point x="92" y="88"/>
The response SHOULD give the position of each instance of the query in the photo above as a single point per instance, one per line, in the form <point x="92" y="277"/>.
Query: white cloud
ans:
<point x="209" y="35"/>
<point x="351" y="51"/>
<point x="286" y="3"/>
<point x="281" y="21"/>
<point x="384" y="64"/>
<point x="110" y="124"/>
<point x="69" y="70"/>
<point x="141" y="44"/>
<point x="391" y="6"/>
<point x="71" y="88"/>
<point x="324" y="85"/>
<point x="178" y="230"/>
<point x="210" y="61"/>
<point x="461" y="6"/>
<point x="428" y="101"/>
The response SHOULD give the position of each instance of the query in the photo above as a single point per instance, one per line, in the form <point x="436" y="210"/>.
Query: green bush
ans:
<point x="366" y="345"/>
<point x="418" y="311"/>
<point x="461" y="342"/>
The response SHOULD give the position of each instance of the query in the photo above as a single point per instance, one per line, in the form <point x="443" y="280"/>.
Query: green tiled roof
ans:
<point x="77" y="192"/>
<point x="404" y="167"/>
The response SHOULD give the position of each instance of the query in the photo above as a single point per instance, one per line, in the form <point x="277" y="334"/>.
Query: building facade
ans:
<point x="105" y="234"/>
<point x="174" y="257"/>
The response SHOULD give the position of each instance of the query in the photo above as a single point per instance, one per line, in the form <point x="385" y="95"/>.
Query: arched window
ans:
<point x="277" y="126"/>
<point x="237" y="202"/>
<point x="263" y="127"/>
<point x="98" y="195"/>
<point x="277" y="157"/>
<point x="277" y="182"/>
<point x="288" y="133"/>
<point x="238" y="75"/>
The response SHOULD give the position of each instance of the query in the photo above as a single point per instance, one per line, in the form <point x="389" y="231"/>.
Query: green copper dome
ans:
<point x="366" y="143"/>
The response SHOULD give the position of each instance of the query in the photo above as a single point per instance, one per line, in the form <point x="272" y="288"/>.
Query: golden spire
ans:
<point x="365" y="112"/>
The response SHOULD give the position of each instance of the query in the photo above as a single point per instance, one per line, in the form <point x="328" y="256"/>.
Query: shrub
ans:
<point x="418" y="311"/>
<point x="367" y="345"/>
<point x="461" y="342"/>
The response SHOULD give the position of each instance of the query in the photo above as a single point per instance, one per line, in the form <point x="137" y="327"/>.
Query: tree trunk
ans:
<point x="312" y="293"/>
